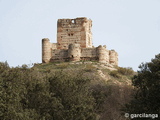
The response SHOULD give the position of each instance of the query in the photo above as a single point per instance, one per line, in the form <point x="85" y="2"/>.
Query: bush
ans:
<point x="125" y="71"/>
<point x="115" y="74"/>
<point x="62" y="65"/>
<point x="89" y="68"/>
<point x="110" y="99"/>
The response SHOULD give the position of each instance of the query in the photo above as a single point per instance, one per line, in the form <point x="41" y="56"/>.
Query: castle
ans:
<point x="74" y="43"/>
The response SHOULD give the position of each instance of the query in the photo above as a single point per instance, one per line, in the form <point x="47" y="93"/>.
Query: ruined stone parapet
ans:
<point x="74" y="52"/>
<point x="46" y="50"/>
<point x="113" y="57"/>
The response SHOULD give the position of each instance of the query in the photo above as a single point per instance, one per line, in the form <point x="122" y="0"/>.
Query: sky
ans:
<point x="131" y="27"/>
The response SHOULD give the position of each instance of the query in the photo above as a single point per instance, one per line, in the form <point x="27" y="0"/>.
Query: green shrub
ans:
<point x="62" y="65"/>
<point x="89" y="68"/>
<point x="125" y="71"/>
<point x="115" y="74"/>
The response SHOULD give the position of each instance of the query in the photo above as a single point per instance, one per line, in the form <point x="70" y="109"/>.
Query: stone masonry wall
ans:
<point x="88" y="52"/>
<point x="75" y="53"/>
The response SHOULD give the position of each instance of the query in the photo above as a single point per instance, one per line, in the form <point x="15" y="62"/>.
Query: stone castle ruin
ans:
<point x="74" y="43"/>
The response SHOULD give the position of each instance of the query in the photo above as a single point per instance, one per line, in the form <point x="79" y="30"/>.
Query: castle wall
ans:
<point x="59" y="55"/>
<point x="74" y="43"/>
<point x="88" y="52"/>
<point x="74" y="31"/>
<point x="75" y="53"/>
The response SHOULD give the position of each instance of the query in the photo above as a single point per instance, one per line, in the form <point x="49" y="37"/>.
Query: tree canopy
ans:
<point x="46" y="93"/>
<point x="27" y="94"/>
<point x="147" y="86"/>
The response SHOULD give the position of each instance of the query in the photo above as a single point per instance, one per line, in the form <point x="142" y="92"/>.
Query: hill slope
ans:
<point x="111" y="86"/>
<point x="69" y="91"/>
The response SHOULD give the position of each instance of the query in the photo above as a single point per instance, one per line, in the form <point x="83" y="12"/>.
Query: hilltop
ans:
<point x="93" y="70"/>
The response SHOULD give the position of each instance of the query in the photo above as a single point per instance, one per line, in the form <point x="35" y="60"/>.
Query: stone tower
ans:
<point x="46" y="50"/>
<point x="74" y="52"/>
<point x="103" y="54"/>
<point x="74" y="31"/>
<point x="113" y="57"/>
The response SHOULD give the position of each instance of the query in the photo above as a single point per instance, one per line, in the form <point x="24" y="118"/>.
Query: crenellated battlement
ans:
<point x="73" y="23"/>
<point x="74" y="43"/>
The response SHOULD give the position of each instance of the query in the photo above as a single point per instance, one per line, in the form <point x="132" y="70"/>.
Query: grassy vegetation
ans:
<point x="123" y="75"/>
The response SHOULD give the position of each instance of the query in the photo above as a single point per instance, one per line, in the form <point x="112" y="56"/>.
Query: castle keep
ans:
<point x="74" y="43"/>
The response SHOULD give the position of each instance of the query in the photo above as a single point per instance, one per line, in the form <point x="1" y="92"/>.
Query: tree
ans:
<point x="73" y="93"/>
<point x="12" y="92"/>
<point x="28" y="94"/>
<point x="147" y="86"/>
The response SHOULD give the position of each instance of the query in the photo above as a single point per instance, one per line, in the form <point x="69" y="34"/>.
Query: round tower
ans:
<point x="102" y="54"/>
<point x="106" y="54"/>
<point x="74" y="52"/>
<point x="46" y="50"/>
<point x="113" y="57"/>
